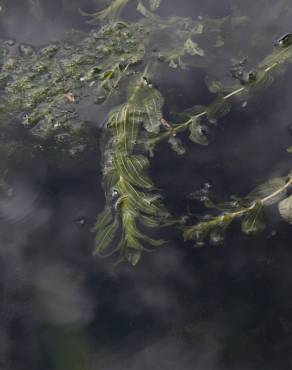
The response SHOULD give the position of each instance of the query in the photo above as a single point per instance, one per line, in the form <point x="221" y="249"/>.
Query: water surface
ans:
<point x="181" y="308"/>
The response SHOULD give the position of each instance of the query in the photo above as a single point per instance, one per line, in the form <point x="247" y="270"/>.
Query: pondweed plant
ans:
<point x="114" y="69"/>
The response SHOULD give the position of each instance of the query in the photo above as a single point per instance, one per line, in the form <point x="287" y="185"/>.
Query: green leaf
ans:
<point x="212" y="230"/>
<point x="144" y="11"/>
<point x="154" y="4"/>
<point x="192" y="48"/>
<point x="285" y="41"/>
<point x="107" y="75"/>
<point x="126" y="120"/>
<point x="109" y="13"/>
<point x="133" y="239"/>
<point x="218" y="109"/>
<point x="216" y="87"/>
<point x="267" y="189"/>
<point x="103" y="219"/>
<point x="134" y="234"/>
<point x="151" y="101"/>
<point x="132" y="168"/>
<point x="252" y="223"/>
<point x="133" y="257"/>
<point x="197" y="28"/>
<point x="277" y="57"/>
<point x="176" y="145"/>
<point x="230" y="206"/>
<point x="130" y="193"/>
<point x="105" y="236"/>
<point x="217" y="234"/>
<point x="144" y="105"/>
<point x="145" y="203"/>
<point x="150" y="222"/>
<point x="261" y="80"/>
<point x="285" y="209"/>
<point x="111" y="177"/>
<point x="198" y="132"/>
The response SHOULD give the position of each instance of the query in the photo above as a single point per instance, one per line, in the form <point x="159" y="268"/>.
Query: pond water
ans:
<point x="180" y="308"/>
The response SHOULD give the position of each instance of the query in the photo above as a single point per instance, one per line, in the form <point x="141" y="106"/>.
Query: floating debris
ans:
<point x="203" y="193"/>
<point x="81" y="221"/>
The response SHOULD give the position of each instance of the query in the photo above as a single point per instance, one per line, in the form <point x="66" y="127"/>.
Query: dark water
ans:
<point x="181" y="308"/>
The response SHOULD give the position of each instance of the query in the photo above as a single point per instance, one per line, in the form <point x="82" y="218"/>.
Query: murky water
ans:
<point x="180" y="308"/>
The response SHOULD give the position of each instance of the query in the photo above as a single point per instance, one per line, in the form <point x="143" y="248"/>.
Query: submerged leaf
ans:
<point x="285" y="41"/>
<point x="103" y="219"/>
<point x="278" y="56"/>
<point x="285" y="209"/>
<point x="212" y="230"/>
<point x="105" y="236"/>
<point x="133" y="257"/>
<point x="144" y="11"/>
<point x="111" y="12"/>
<point x="132" y="168"/>
<point x="36" y="8"/>
<point x="131" y="197"/>
<point x="216" y="87"/>
<point x="252" y="222"/>
<point x="198" y="132"/>
<point x="218" y="109"/>
<point x="217" y="234"/>
<point x="192" y="48"/>
<point x="261" y="80"/>
<point x="176" y="145"/>
<point x="267" y="189"/>
<point x="150" y="101"/>
<point x="154" y="4"/>
<point x="149" y="221"/>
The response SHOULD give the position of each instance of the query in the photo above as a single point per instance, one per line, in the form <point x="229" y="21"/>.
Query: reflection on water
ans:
<point x="180" y="308"/>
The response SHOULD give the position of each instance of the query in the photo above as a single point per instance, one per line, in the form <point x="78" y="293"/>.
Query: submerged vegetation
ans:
<point x="115" y="69"/>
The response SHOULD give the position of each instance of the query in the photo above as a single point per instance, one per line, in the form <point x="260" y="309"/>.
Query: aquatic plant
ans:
<point x="114" y="69"/>
<point x="249" y="210"/>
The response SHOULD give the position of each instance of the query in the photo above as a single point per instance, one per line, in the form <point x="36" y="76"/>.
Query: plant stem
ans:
<point x="184" y="125"/>
<point x="263" y="200"/>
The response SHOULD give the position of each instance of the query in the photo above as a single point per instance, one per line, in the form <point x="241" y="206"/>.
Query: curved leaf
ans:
<point x="176" y="145"/>
<point x="105" y="236"/>
<point x="154" y="4"/>
<point x="132" y="168"/>
<point x="198" y="132"/>
<point x="218" y="108"/>
<point x="252" y="223"/>
<point x="267" y="189"/>
<point x="212" y="230"/>
<point x="111" y="12"/>
<point x="192" y="48"/>
<point x="285" y="209"/>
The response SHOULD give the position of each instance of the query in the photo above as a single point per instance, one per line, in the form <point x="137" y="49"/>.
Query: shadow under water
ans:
<point x="180" y="308"/>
